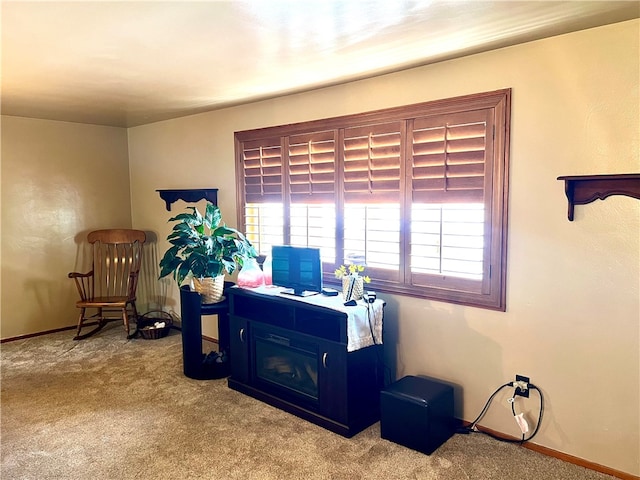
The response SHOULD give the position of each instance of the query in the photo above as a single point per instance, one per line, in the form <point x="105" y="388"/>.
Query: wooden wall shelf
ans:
<point x="188" y="195"/>
<point x="583" y="189"/>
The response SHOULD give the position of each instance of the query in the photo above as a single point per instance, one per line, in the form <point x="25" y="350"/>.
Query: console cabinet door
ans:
<point x="239" y="349"/>
<point x="332" y="381"/>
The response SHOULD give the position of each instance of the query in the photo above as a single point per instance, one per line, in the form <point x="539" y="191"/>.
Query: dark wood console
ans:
<point x="294" y="356"/>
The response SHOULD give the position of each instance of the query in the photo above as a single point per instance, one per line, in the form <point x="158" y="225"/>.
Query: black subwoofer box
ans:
<point x="417" y="412"/>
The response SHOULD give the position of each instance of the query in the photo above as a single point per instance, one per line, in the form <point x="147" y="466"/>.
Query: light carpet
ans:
<point x="111" y="408"/>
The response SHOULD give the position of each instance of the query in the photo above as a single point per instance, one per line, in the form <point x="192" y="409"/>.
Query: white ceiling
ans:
<point x="127" y="63"/>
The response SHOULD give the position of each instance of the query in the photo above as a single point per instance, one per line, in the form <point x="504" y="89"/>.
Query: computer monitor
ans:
<point x="298" y="269"/>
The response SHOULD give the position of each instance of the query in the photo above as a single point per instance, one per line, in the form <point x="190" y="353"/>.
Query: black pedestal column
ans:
<point x="196" y="364"/>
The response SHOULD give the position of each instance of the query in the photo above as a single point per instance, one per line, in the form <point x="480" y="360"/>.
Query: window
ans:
<point x="416" y="193"/>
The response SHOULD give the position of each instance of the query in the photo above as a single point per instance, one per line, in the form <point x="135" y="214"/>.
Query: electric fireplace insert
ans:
<point x="286" y="365"/>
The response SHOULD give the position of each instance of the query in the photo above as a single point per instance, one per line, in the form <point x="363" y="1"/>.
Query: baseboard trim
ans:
<point x="38" y="334"/>
<point x="55" y="330"/>
<point x="210" y="339"/>
<point x="73" y="327"/>
<point x="550" y="452"/>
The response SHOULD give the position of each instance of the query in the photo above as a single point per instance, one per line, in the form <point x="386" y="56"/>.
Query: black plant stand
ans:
<point x="196" y="364"/>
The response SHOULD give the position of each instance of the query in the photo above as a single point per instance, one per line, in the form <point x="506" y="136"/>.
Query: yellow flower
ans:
<point x="353" y="271"/>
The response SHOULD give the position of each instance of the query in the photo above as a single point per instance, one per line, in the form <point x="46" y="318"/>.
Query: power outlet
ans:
<point x="522" y="386"/>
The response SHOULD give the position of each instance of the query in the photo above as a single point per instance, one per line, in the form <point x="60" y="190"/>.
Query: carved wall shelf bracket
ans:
<point x="188" y="195"/>
<point x="583" y="189"/>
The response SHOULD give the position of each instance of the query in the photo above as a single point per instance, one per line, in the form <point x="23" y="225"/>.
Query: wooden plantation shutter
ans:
<point x="312" y="167"/>
<point x="372" y="157"/>
<point x="452" y="174"/>
<point x="418" y="192"/>
<point x="261" y="190"/>
<point x="311" y="186"/>
<point x="372" y="181"/>
<point x="449" y="157"/>
<point x="262" y="167"/>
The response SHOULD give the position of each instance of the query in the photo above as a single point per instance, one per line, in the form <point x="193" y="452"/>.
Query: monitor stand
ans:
<point x="298" y="293"/>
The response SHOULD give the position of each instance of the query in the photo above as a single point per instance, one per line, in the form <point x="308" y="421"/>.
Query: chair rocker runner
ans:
<point x="110" y="286"/>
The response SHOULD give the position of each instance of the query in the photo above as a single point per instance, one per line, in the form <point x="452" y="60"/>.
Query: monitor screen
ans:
<point x="299" y="269"/>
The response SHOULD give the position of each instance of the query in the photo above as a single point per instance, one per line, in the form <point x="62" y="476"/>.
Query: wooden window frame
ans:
<point x="491" y="293"/>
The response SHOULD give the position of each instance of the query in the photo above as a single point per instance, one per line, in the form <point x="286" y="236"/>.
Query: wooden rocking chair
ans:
<point x="110" y="286"/>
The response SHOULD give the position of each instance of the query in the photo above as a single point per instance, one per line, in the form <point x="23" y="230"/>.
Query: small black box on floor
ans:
<point x="417" y="412"/>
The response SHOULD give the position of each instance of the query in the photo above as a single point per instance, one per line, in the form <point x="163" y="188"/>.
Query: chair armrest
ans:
<point x="83" y="284"/>
<point x="80" y="275"/>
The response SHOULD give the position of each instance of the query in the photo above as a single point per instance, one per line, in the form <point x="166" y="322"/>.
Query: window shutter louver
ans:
<point x="372" y="163"/>
<point x="312" y="167"/>
<point x="262" y="166"/>
<point x="449" y="157"/>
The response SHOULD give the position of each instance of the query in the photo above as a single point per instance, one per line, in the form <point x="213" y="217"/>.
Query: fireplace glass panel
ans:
<point x="288" y="364"/>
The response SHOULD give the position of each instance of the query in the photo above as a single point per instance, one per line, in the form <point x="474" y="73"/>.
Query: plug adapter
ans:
<point x="522" y="423"/>
<point x="522" y="386"/>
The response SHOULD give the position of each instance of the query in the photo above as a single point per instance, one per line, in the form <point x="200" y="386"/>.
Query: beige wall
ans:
<point x="573" y="302"/>
<point x="572" y="319"/>
<point x="59" y="181"/>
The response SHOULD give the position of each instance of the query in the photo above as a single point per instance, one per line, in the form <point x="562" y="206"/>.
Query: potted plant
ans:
<point x="204" y="248"/>
<point x="353" y="280"/>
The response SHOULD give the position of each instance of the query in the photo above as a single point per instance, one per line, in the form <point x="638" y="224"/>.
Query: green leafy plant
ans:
<point x="352" y="270"/>
<point x="203" y="246"/>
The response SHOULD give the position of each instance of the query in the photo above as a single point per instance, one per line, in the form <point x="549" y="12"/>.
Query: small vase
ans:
<point x="210" y="288"/>
<point x="250" y="274"/>
<point x="267" y="269"/>
<point x="354" y="292"/>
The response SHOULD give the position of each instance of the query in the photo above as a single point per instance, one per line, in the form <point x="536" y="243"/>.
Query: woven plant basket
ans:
<point x="210" y="288"/>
